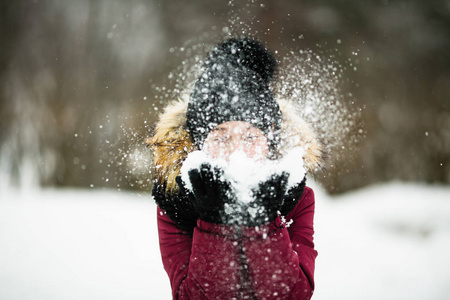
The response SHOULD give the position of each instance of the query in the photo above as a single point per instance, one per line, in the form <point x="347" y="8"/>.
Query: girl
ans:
<point x="221" y="237"/>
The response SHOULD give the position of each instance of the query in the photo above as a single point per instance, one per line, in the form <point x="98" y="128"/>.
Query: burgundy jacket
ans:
<point x="273" y="261"/>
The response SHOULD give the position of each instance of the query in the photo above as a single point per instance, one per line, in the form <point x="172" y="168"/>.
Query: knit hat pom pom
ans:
<point x="246" y="53"/>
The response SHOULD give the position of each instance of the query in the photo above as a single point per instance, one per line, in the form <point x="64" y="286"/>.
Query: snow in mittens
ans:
<point x="246" y="173"/>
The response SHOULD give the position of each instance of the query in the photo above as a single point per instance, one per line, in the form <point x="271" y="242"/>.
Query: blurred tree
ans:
<point x="82" y="81"/>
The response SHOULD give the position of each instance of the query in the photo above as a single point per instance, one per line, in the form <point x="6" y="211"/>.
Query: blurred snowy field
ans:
<point x="386" y="242"/>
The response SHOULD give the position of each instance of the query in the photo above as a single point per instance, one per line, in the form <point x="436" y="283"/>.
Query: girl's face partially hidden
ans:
<point x="233" y="136"/>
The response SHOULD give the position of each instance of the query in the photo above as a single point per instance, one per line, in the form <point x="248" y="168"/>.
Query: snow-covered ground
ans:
<point x="384" y="242"/>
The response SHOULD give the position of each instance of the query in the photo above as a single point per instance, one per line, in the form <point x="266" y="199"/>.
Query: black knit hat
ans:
<point x="234" y="86"/>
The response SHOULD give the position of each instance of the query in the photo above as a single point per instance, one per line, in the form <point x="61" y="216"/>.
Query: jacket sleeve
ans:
<point x="217" y="260"/>
<point x="301" y="234"/>
<point x="201" y="266"/>
<point x="282" y="264"/>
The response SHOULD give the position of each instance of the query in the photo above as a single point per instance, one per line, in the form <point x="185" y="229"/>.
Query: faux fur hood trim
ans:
<point x="171" y="143"/>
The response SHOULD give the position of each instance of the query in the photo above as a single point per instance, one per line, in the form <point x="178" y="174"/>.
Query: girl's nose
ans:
<point x="233" y="145"/>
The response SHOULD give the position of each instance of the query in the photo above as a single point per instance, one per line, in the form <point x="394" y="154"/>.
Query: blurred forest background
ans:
<point x="82" y="82"/>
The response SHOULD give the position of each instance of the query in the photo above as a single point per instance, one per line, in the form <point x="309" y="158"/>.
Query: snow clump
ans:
<point x="245" y="173"/>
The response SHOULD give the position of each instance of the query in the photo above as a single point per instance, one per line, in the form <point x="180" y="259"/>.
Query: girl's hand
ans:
<point x="268" y="199"/>
<point x="211" y="193"/>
